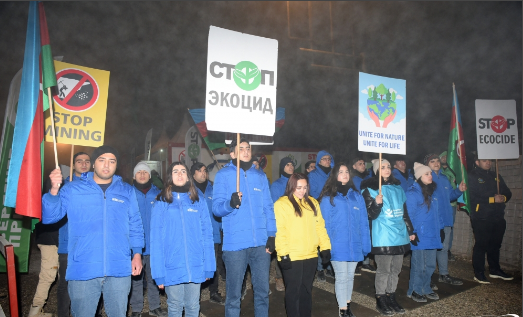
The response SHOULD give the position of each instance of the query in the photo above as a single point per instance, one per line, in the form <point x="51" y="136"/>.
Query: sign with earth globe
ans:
<point x="382" y="114"/>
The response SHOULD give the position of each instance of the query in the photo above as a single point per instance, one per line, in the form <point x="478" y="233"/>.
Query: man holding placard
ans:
<point x="249" y="229"/>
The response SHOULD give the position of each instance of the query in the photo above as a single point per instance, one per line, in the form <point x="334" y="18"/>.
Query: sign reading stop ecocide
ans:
<point x="497" y="129"/>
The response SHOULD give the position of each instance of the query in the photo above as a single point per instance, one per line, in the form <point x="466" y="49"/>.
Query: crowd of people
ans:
<point x="108" y="241"/>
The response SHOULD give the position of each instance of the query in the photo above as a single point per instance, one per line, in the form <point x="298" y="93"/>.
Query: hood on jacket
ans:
<point x="321" y="154"/>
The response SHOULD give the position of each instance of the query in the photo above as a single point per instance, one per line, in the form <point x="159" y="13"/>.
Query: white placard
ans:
<point x="382" y="114"/>
<point x="241" y="83"/>
<point x="497" y="129"/>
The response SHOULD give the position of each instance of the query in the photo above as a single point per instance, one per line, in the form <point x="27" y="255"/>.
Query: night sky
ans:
<point x="157" y="54"/>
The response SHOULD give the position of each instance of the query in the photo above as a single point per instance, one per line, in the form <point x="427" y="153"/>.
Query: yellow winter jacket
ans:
<point x="299" y="237"/>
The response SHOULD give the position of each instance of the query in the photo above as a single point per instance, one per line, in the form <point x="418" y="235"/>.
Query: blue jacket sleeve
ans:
<point x="268" y="209"/>
<point x="315" y="189"/>
<point x="54" y="208"/>
<point x="412" y="207"/>
<point x="157" y="239"/>
<point x="209" y="264"/>
<point x="221" y="200"/>
<point x="454" y="193"/>
<point x="275" y="191"/>
<point x="326" y="212"/>
<point x="364" y="225"/>
<point x="136" y="234"/>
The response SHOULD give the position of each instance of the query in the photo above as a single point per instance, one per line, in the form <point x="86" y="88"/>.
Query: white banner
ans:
<point x="497" y="129"/>
<point x="241" y="83"/>
<point x="193" y="147"/>
<point x="382" y="119"/>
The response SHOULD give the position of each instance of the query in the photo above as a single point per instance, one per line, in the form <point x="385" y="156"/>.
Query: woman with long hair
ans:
<point x="423" y="211"/>
<point x="391" y="233"/>
<point x="347" y="224"/>
<point x="300" y="231"/>
<point x="182" y="248"/>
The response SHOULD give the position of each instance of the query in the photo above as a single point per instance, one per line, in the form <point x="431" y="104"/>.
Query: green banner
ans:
<point x="15" y="228"/>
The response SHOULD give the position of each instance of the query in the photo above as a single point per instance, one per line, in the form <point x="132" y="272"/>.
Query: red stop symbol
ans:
<point x="498" y="124"/>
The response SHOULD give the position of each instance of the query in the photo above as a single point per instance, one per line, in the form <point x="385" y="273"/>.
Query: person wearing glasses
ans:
<point x="182" y="247"/>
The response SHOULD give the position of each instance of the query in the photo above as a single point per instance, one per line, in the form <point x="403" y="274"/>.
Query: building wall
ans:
<point x="510" y="255"/>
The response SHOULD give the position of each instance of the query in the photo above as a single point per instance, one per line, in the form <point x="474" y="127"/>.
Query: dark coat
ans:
<point x="482" y="186"/>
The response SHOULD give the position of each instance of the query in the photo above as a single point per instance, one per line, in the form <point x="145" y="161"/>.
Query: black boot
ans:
<point x="391" y="300"/>
<point x="382" y="306"/>
<point x="349" y="312"/>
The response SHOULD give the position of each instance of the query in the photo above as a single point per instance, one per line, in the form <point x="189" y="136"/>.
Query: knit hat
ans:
<point x="420" y="169"/>
<point x="141" y="167"/>
<point x="376" y="164"/>
<point x="105" y="149"/>
<point x="283" y="162"/>
<point x="429" y="157"/>
<point x="78" y="154"/>
<point x="443" y="154"/>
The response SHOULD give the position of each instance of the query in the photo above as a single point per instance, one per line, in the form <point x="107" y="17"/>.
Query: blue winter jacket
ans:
<point x="63" y="236"/>
<point x="251" y="224"/>
<point x="145" y="204"/>
<point x="278" y="188"/>
<point x="182" y="250"/>
<point x="215" y="221"/>
<point x="445" y="194"/>
<point x="317" y="177"/>
<point x="426" y="222"/>
<point x="405" y="183"/>
<point x="356" y="180"/>
<point x="347" y="224"/>
<point x="103" y="227"/>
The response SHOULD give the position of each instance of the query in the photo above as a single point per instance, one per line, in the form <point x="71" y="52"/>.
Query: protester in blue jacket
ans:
<point x="317" y="179"/>
<point x="402" y="174"/>
<point x="104" y="226"/>
<point x="182" y="250"/>
<point x="200" y="179"/>
<point x="423" y="212"/>
<point x="391" y="233"/>
<point x="445" y="194"/>
<point x="249" y="228"/>
<point x="347" y="225"/>
<point x="146" y="194"/>
<point x="278" y="190"/>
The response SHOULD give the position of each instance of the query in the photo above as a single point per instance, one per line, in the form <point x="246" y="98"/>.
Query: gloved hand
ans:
<point x="285" y="262"/>
<point x="235" y="200"/>
<point x="415" y="241"/>
<point x="325" y="256"/>
<point x="442" y="235"/>
<point x="271" y="244"/>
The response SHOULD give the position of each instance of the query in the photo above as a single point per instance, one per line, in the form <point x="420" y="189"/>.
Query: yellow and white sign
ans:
<point x="80" y="105"/>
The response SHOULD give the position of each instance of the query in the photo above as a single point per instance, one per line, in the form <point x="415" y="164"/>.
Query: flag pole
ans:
<point x="72" y="164"/>
<point x="52" y="126"/>
<point x="379" y="173"/>
<point x="238" y="162"/>
<point x="457" y="128"/>
<point x="497" y="175"/>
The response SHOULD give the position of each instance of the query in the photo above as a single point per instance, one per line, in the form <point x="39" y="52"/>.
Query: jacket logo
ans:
<point x="481" y="181"/>
<point x="192" y="210"/>
<point x="118" y="200"/>
<point x="356" y="208"/>
<point x="209" y="197"/>
<point x="256" y="189"/>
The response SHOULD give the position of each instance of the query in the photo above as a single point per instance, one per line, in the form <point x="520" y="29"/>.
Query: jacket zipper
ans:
<point x="250" y="208"/>
<point x="105" y="233"/>
<point x="184" y="238"/>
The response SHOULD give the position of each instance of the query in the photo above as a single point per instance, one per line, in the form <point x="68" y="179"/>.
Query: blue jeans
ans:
<point x="422" y="266"/>
<point x="86" y="294"/>
<point x="182" y="296"/>
<point x="344" y="281"/>
<point x="443" y="255"/>
<point x="236" y="264"/>
<point x="153" y="293"/>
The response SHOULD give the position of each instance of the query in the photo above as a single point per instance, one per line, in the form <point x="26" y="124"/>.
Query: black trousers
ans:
<point x="298" y="287"/>
<point x="62" y="293"/>
<point x="220" y="270"/>
<point x="488" y="234"/>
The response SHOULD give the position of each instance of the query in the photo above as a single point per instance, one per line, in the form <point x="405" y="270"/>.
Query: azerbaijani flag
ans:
<point x="24" y="181"/>
<point x="214" y="140"/>
<point x="456" y="158"/>
<point x="280" y="118"/>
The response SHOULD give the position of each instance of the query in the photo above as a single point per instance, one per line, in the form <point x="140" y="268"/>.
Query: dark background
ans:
<point x="157" y="53"/>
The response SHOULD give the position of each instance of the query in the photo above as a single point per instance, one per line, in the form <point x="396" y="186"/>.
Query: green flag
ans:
<point x="456" y="158"/>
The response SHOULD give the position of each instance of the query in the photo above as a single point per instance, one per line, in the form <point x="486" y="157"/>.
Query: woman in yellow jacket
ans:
<point x="300" y="231"/>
